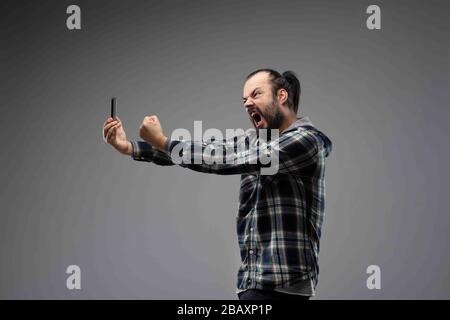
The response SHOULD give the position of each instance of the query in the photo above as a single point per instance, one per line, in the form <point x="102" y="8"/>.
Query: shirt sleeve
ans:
<point x="142" y="151"/>
<point x="292" y="152"/>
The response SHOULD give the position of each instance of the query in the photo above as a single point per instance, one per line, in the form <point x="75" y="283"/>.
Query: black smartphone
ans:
<point x="113" y="108"/>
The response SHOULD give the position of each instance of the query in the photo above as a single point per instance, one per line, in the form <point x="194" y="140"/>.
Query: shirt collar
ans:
<point x="300" y="122"/>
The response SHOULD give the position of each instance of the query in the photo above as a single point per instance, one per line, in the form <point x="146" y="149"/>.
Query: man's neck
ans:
<point x="287" y="122"/>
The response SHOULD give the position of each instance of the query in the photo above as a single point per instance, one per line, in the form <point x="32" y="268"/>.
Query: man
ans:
<point x="280" y="216"/>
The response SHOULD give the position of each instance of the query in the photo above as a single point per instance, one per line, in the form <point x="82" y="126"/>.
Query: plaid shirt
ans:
<point x="279" y="216"/>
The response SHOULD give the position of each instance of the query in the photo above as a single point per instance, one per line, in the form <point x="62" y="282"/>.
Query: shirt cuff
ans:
<point x="168" y="146"/>
<point x="141" y="151"/>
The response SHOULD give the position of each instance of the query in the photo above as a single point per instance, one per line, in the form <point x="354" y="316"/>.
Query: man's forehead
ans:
<point x="260" y="80"/>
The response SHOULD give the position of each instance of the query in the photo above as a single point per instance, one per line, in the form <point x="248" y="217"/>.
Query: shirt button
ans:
<point x="251" y="252"/>
<point x="249" y="281"/>
<point x="251" y="229"/>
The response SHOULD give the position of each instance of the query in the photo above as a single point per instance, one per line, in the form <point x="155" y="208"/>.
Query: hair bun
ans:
<point x="290" y="77"/>
<point x="294" y="85"/>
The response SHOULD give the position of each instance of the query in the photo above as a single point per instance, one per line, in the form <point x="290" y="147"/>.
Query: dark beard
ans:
<point x="274" y="116"/>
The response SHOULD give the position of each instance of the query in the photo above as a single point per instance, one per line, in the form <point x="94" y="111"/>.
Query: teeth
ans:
<point x="255" y="117"/>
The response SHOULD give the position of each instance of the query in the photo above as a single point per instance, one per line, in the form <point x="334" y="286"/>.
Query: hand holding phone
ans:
<point x="113" y="132"/>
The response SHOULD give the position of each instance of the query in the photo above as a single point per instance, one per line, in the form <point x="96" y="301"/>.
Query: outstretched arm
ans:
<point x="293" y="152"/>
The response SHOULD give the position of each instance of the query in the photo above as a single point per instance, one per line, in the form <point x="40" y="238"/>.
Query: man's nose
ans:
<point x="248" y="103"/>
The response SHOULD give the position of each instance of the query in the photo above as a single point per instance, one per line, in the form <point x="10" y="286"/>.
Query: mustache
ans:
<point x="251" y="110"/>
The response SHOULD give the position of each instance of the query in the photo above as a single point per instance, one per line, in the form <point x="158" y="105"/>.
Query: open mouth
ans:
<point x="257" y="119"/>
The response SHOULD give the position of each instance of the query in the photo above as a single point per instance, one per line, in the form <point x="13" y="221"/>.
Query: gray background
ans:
<point x="147" y="232"/>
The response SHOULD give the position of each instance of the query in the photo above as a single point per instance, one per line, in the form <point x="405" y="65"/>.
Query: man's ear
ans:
<point x="282" y="96"/>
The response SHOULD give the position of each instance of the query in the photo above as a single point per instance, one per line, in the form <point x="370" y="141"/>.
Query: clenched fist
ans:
<point x="152" y="132"/>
